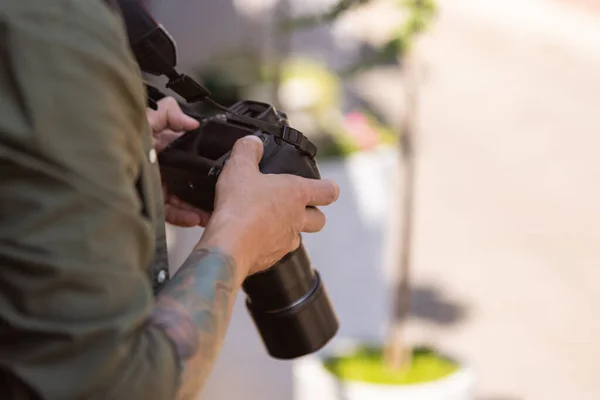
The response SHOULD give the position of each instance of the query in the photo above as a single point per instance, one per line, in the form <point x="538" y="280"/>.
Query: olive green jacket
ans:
<point x="80" y="210"/>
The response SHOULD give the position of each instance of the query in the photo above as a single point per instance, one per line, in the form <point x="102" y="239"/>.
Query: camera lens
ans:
<point x="290" y="307"/>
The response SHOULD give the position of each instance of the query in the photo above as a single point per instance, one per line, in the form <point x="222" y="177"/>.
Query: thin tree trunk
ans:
<point x="397" y="351"/>
<point x="282" y="46"/>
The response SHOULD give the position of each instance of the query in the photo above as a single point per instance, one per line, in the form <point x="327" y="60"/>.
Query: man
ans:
<point x="78" y="222"/>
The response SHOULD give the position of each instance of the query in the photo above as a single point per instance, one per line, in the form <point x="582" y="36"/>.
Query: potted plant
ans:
<point x="356" y="370"/>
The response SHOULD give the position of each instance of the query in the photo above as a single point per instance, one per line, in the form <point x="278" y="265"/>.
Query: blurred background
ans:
<point x="501" y="100"/>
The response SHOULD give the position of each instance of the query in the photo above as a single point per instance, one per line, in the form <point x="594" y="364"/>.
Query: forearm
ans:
<point x="194" y="310"/>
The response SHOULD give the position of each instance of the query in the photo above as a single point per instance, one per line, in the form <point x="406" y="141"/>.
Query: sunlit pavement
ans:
<point x="508" y="221"/>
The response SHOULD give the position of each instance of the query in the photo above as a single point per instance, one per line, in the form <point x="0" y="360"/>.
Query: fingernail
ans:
<point x="337" y="190"/>
<point x="189" y="119"/>
<point x="255" y="138"/>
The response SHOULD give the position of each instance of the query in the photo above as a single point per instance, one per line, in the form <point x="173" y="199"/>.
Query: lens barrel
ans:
<point x="290" y="307"/>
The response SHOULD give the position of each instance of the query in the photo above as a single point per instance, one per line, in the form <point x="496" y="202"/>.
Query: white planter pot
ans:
<point x="313" y="382"/>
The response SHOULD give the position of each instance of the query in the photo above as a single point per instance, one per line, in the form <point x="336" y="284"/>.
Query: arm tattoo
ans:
<point x="194" y="310"/>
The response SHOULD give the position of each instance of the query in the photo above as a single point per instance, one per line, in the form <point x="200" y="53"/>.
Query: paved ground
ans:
<point x="509" y="195"/>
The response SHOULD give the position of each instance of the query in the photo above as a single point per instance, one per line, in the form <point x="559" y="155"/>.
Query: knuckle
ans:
<point x="170" y="102"/>
<point x="239" y="162"/>
<point x="295" y="243"/>
<point x="302" y="194"/>
<point x="242" y="145"/>
<point x="300" y="222"/>
<point x="301" y="198"/>
<point x="236" y="147"/>
<point x="231" y="167"/>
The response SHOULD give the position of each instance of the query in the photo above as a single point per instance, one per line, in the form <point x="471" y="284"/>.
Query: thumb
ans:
<point x="178" y="121"/>
<point x="248" y="149"/>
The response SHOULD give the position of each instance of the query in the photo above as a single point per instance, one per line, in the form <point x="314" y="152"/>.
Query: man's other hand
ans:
<point x="167" y="124"/>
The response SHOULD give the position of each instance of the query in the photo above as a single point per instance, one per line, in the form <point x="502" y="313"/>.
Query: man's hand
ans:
<point x="258" y="217"/>
<point x="257" y="220"/>
<point x="167" y="124"/>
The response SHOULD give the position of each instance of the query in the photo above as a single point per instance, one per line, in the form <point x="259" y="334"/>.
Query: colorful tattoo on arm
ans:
<point x="194" y="310"/>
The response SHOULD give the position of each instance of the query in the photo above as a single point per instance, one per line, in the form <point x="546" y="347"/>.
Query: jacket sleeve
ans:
<point x="75" y="238"/>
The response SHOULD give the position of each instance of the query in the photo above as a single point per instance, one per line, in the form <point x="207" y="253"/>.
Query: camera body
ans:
<point x="191" y="164"/>
<point x="288" y="302"/>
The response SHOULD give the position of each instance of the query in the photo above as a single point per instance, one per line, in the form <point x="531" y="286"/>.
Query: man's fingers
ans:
<point x="314" y="220"/>
<point x="248" y="150"/>
<point x="165" y="138"/>
<point x="155" y="121"/>
<point x="186" y="210"/>
<point x="170" y="116"/>
<point x="177" y="202"/>
<point x="320" y="192"/>
<point x="182" y="218"/>
<point x="177" y="120"/>
<point x="185" y="218"/>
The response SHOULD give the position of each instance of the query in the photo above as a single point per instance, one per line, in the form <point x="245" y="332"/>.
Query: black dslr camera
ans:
<point x="288" y="302"/>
